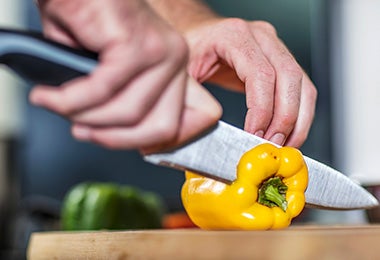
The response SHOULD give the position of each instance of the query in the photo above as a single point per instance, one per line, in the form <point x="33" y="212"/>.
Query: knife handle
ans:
<point x="41" y="61"/>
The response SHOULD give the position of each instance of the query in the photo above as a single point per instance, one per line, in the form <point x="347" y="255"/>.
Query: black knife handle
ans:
<point x="41" y="61"/>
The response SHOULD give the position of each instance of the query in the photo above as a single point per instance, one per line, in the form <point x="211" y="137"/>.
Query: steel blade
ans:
<point x="217" y="153"/>
<point x="329" y="188"/>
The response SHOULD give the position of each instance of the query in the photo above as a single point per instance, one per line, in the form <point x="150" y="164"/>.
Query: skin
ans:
<point x="140" y="95"/>
<point x="249" y="57"/>
<point x="164" y="109"/>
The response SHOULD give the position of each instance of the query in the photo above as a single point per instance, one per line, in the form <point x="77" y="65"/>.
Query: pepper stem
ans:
<point x="272" y="193"/>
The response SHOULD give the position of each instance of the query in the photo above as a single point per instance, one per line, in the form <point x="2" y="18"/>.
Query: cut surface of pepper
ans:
<point x="268" y="193"/>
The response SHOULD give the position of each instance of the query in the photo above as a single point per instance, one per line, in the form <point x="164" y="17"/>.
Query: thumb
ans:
<point x="201" y="112"/>
<point x="201" y="106"/>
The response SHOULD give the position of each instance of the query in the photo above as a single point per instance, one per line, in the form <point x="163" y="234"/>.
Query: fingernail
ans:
<point x="260" y="133"/>
<point x="278" y="138"/>
<point x="81" y="133"/>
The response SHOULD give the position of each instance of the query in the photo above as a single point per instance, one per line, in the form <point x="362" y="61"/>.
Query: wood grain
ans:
<point x="299" y="242"/>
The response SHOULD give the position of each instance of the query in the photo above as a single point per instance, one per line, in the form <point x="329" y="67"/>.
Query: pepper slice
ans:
<point x="268" y="193"/>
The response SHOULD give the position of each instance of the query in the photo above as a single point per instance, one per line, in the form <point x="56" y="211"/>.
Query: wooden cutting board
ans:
<point x="297" y="242"/>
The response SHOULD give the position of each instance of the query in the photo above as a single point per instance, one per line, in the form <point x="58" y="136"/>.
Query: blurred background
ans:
<point x="336" y="42"/>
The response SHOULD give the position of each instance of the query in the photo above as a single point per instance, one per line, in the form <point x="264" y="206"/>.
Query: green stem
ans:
<point x="272" y="193"/>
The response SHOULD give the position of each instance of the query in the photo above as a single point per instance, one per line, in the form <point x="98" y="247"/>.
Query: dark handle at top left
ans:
<point x="41" y="61"/>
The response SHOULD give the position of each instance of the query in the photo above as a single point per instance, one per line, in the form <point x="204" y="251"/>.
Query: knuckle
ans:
<point x="173" y="47"/>
<point x="266" y="73"/>
<point x="236" y="25"/>
<point x="262" y="116"/>
<point x="293" y="71"/>
<point x="266" y="27"/>
<point x="154" y="47"/>
<point x="286" y="121"/>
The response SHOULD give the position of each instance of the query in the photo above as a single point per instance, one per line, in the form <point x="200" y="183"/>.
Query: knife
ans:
<point x="214" y="154"/>
<point x="217" y="153"/>
<point x="41" y="61"/>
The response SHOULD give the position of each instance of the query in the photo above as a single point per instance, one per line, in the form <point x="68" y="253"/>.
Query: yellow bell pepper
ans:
<point x="268" y="193"/>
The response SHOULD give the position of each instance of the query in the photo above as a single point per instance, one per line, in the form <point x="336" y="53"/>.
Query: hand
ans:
<point x="137" y="96"/>
<point x="249" y="56"/>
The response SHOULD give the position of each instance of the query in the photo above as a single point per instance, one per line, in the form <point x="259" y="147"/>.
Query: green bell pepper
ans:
<point x="94" y="206"/>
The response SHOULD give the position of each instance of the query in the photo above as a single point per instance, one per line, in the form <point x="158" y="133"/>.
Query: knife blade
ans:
<point x="217" y="153"/>
<point x="214" y="154"/>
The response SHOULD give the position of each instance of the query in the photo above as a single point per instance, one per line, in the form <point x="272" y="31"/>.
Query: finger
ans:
<point x="288" y="87"/>
<point x="130" y="105"/>
<point x="260" y="89"/>
<point x="116" y="68"/>
<point x="159" y="126"/>
<point x="201" y="112"/>
<point x="253" y="69"/>
<point x="306" y="114"/>
<point x="53" y="31"/>
<point x="226" y="77"/>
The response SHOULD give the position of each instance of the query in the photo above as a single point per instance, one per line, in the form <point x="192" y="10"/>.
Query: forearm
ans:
<point x="183" y="14"/>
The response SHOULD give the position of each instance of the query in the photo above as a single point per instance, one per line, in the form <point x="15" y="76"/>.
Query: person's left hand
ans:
<point x="248" y="56"/>
<point x="139" y="96"/>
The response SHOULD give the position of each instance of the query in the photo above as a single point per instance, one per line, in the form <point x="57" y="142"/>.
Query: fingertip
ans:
<point x="81" y="132"/>
<point x="45" y="97"/>
<point x="259" y="133"/>
<point x="36" y="96"/>
<point x="201" y="100"/>
<point x="278" y="138"/>
<point x="257" y="121"/>
<point x="298" y="136"/>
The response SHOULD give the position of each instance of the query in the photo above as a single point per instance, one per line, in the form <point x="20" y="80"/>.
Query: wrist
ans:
<point x="184" y="15"/>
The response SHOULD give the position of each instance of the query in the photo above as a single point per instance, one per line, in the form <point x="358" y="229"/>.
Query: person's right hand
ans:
<point x="137" y="96"/>
<point x="249" y="56"/>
